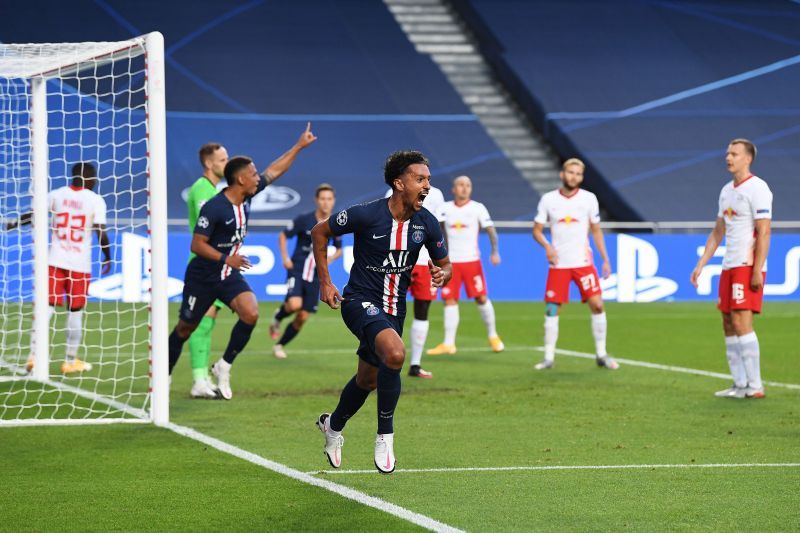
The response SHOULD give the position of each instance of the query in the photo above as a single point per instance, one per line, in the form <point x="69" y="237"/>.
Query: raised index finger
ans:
<point x="308" y="127"/>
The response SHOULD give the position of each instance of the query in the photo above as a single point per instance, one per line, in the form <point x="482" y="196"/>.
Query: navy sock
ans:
<point x="351" y="400"/>
<point x="388" y="395"/>
<point x="175" y="346"/>
<point x="288" y="335"/>
<point x="281" y="313"/>
<point x="240" y="335"/>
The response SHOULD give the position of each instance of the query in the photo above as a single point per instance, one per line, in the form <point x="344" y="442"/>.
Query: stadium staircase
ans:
<point x="435" y="29"/>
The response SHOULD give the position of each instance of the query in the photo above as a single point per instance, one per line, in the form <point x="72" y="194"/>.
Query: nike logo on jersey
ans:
<point x="378" y="236"/>
<point x="229" y="221"/>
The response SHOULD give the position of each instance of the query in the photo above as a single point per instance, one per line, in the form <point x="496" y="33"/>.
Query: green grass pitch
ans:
<point x="480" y="410"/>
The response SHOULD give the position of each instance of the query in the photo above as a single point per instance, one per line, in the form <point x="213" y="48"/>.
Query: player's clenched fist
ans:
<point x="437" y="274"/>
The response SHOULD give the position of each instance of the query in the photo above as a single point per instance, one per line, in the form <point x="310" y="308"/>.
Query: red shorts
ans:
<point x="735" y="292"/>
<point x="557" y="289"/>
<point x="421" y="287"/>
<point x="471" y="275"/>
<point x="75" y="285"/>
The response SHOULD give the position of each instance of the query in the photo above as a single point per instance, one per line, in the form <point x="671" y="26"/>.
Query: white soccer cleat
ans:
<point x="544" y="364"/>
<point x="384" y="453"/>
<point x="278" y="351"/>
<point x="203" y="389"/>
<point x="333" y="442"/>
<point x="222" y="371"/>
<point x="607" y="362"/>
<point x="732" y="392"/>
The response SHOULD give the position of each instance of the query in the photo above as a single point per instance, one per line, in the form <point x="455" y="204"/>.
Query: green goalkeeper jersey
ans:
<point x="202" y="191"/>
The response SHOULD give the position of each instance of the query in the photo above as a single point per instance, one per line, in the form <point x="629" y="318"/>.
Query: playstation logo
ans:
<point x="635" y="279"/>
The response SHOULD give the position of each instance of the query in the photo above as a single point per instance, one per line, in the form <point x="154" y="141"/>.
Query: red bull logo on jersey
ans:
<point x="568" y="220"/>
<point x="729" y="213"/>
<point x="458" y="226"/>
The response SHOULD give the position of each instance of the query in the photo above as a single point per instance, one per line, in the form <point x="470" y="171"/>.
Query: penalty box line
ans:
<point x="346" y="492"/>
<point x="564" y="467"/>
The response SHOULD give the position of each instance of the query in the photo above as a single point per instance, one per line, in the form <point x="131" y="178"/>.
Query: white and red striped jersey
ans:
<point x="569" y="218"/>
<point x="75" y="211"/>
<point x="740" y="206"/>
<point x="462" y="225"/>
<point x="432" y="203"/>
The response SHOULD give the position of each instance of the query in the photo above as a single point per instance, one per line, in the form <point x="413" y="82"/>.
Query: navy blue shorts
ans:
<point x="307" y="290"/>
<point x="199" y="293"/>
<point x="365" y="321"/>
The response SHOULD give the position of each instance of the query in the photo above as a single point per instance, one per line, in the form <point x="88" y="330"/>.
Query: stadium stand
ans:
<point x="249" y="74"/>
<point x="650" y="92"/>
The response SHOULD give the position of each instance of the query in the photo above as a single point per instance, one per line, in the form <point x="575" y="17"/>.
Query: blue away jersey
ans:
<point x="385" y="251"/>
<point x="225" y="225"/>
<point x="302" y="257"/>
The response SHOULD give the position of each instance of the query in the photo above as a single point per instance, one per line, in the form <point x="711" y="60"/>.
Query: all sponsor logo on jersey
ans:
<point x="417" y="236"/>
<point x="341" y="218"/>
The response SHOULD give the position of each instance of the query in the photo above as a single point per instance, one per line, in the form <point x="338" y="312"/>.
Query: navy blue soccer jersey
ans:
<point x="302" y="257"/>
<point x="225" y="225"/>
<point x="385" y="251"/>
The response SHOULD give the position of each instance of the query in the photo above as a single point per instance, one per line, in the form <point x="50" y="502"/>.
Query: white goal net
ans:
<point x="60" y="105"/>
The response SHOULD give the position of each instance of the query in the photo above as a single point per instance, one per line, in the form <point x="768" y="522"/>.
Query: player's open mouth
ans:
<point x="421" y="198"/>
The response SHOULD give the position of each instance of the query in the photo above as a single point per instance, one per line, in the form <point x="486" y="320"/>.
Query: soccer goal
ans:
<point x="99" y="103"/>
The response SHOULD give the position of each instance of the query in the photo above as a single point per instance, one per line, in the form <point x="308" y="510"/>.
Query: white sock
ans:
<point x="74" y="333"/>
<point x="550" y="337"/>
<point x="487" y="314"/>
<point x="419" y="332"/>
<point x="50" y="312"/>
<point x="735" y="362"/>
<point x="748" y="345"/>
<point x="599" y="329"/>
<point x="451" y="318"/>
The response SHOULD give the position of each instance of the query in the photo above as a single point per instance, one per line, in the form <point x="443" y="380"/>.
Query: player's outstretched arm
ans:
<point x="328" y="293"/>
<point x="714" y="238"/>
<point x="105" y="247"/>
<point x="538" y="236"/>
<point x="284" y="162"/>
<point x="441" y="271"/>
<point x="600" y="244"/>
<point x="23" y="220"/>
<point x="201" y="248"/>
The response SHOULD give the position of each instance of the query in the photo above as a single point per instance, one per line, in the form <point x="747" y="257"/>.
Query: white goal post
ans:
<point x="61" y="104"/>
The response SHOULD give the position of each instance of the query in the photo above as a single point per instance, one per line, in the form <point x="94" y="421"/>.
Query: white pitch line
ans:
<point x="563" y="467"/>
<point x="670" y="368"/>
<point x="341" y="490"/>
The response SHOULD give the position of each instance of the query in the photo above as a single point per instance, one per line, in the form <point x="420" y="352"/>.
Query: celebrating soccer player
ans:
<point x="215" y="272"/>
<point x="302" y="282"/>
<point x="213" y="158"/>
<point x="388" y="236"/>
<point x="77" y="210"/>
<point x="743" y="218"/>
<point x="571" y="213"/>
<point x="461" y="220"/>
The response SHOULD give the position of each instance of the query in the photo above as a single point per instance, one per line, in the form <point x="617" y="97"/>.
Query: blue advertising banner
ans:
<point x="646" y="268"/>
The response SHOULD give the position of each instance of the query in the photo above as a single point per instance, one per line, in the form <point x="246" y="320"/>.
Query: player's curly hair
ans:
<point x="234" y="165"/>
<point x="397" y="163"/>
<point x="83" y="172"/>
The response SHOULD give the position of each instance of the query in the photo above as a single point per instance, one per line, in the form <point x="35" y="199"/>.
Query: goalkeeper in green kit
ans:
<point x="213" y="157"/>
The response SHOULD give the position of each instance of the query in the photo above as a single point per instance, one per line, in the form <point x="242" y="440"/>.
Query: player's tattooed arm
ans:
<point x="105" y="247"/>
<point x="714" y="238"/>
<point x="549" y="250"/>
<point x="495" y="257"/>
<point x="320" y="235"/>
<point x="201" y="248"/>
<point x="278" y="167"/>
<point x="441" y="271"/>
